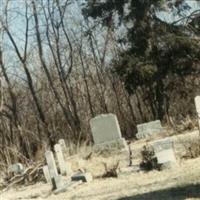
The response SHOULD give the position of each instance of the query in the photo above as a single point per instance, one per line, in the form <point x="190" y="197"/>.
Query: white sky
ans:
<point x="170" y="16"/>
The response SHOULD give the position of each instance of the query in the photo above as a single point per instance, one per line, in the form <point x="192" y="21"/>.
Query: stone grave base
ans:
<point x="118" y="150"/>
<point x="168" y="165"/>
<point x="119" y="144"/>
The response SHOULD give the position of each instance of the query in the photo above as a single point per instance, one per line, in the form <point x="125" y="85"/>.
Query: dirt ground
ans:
<point x="180" y="183"/>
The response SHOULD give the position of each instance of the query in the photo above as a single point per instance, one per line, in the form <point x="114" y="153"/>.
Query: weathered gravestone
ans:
<point x="197" y="105"/>
<point x="149" y="129"/>
<point x="164" y="153"/>
<point x="60" y="185"/>
<point x="16" y="168"/>
<point x="162" y="144"/>
<point x="65" y="168"/>
<point x="56" y="180"/>
<point x="51" y="164"/>
<point x="106" y="132"/>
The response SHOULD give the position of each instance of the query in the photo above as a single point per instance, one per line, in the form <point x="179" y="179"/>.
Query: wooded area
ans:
<point x="59" y="70"/>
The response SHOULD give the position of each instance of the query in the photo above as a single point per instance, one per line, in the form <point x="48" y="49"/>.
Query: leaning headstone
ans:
<point x="164" y="153"/>
<point x="46" y="174"/>
<point x="65" y="168"/>
<point x="51" y="164"/>
<point x="149" y="129"/>
<point x="16" y="168"/>
<point x="57" y="181"/>
<point x="106" y="132"/>
<point x="197" y="105"/>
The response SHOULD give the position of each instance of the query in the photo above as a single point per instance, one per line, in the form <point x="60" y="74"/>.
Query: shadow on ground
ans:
<point x="176" y="193"/>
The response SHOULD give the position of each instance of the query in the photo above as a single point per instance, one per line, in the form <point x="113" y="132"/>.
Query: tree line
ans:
<point x="59" y="70"/>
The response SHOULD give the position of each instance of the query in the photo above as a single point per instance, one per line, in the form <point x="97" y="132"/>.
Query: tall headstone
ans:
<point x="149" y="129"/>
<point x="51" y="164"/>
<point x="46" y="173"/>
<point x="197" y="105"/>
<point x="106" y="132"/>
<point x="64" y="169"/>
<point x="59" y="185"/>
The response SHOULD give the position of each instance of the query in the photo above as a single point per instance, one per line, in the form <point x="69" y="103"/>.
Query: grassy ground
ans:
<point x="180" y="183"/>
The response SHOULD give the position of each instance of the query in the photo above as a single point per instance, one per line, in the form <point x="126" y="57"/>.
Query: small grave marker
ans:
<point x="164" y="153"/>
<point x="149" y="129"/>
<point x="64" y="169"/>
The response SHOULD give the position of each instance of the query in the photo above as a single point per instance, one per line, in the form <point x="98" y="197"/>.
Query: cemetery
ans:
<point x="99" y="99"/>
<point x="61" y="177"/>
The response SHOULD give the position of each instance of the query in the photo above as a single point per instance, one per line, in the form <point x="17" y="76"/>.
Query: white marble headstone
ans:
<point x="51" y="164"/>
<point x="60" y="158"/>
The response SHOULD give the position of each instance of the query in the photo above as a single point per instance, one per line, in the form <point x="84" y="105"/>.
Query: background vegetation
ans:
<point x="59" y="69"/>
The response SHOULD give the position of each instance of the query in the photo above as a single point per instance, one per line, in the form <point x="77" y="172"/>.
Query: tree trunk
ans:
<point x="160" y="98"/>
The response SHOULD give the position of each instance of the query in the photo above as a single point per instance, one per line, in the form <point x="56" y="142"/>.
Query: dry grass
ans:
<point x="179" y="183"/>
<point x="127" y="187"/>
<point x="193" y="149"/>
<point x="111" y="172"/>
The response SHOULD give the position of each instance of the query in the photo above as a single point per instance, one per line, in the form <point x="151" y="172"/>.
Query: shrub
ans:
<point x="149" y="161"/>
